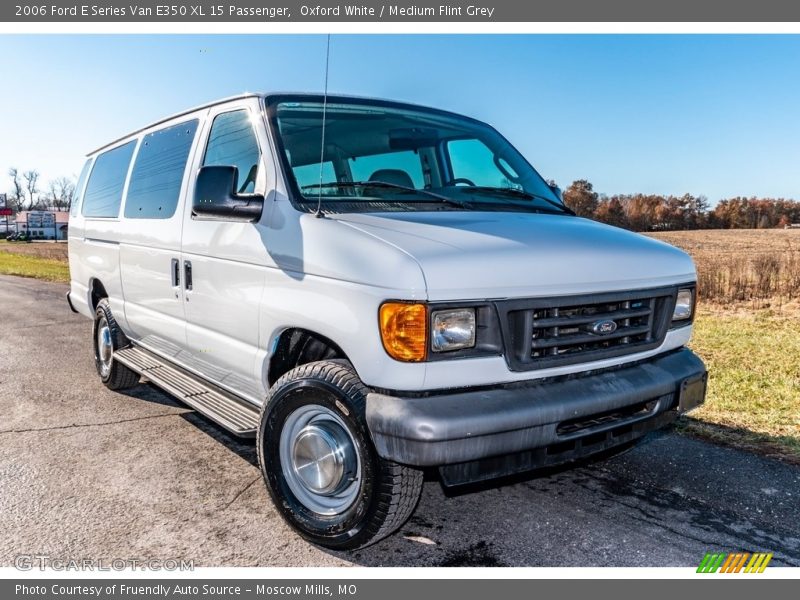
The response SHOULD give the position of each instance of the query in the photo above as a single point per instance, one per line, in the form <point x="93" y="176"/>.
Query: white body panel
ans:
<point x="229" y="264"/>
<point x="519" y="255"/>
<point x="98" y="259"/>
<point x="253" y="281"/>
<point x="154" y="306"/>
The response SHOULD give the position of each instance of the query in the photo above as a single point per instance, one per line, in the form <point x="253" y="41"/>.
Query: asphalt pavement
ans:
<point x="90" y="473"/>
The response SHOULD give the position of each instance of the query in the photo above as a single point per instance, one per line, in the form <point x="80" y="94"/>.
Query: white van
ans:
<point x="372" y="289"/>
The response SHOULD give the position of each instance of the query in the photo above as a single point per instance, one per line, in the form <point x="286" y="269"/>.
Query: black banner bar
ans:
<point x="217" y="11"/>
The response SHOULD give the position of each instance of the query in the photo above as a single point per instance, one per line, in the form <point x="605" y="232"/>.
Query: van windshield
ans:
<point x="380" y="156"/>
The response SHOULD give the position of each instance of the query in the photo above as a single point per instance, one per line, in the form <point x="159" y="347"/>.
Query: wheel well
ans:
<point x="297" y="347"/>
<point x="98" y="292"/>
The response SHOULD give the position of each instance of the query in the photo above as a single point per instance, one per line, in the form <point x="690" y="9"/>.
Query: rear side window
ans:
<point x="158" y="172"/>
<point x="232" y="142"/>
<point x="76" y="200"/>
<point x="104" y="190"/>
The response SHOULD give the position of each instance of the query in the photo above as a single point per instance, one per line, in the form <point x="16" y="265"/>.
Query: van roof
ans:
<point x="335" y="97"/>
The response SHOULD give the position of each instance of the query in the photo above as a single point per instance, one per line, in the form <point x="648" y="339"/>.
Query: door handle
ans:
<point x="176" y="273"/>
<point x="187" y="274"/>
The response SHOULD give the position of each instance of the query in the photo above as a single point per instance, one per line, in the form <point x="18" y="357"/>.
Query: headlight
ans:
<point x="683" y="305"/>
<point x="453" y="329"/>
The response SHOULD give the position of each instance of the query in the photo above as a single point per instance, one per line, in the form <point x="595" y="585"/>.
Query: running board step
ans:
<point x="237" y="416"/>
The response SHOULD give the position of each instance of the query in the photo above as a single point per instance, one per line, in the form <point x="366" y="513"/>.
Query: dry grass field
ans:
<point x="744" y="268"/>
<point x="748" y="332"/>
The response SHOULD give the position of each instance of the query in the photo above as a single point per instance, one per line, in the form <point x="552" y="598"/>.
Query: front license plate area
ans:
<point x="692" y="393"/>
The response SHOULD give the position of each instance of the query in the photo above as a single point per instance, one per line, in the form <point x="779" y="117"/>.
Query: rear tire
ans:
<point x="313" y="422"/>
<point x="108" y="338"/>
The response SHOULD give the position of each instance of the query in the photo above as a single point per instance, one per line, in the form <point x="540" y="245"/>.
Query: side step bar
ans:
<point x="237" y="416"/>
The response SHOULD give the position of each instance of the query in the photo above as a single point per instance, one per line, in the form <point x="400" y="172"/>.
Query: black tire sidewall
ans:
<point x="102" y="312"/>
<point x="343" y="530"/>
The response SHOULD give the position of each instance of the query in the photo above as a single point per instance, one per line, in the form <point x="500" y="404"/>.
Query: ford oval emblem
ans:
<point x="604" y="327"/>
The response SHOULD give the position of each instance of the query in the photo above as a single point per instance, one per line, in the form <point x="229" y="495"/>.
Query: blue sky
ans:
<point x="705" y="114"/>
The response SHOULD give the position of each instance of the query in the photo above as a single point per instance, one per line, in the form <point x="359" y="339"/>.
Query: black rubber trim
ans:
<point x="485" y="469"/>
<point x="69" y="301"/>
<point x="470" y="425"/>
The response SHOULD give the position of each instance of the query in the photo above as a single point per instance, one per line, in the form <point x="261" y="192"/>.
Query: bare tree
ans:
<point x="31" y="181"/>
<point x="61" y="193"/>
<point x="17" y="199"/>
<point x="51" y="198"/>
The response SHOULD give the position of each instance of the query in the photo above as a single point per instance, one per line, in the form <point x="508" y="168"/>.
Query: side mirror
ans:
<point x="556" y="190"/>
<point x="215" y="196"/>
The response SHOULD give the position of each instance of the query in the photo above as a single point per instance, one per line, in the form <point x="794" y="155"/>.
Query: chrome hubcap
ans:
<point x="104" y="347"/>
<point x="322" y="456"/>
<point x="320" y="460"/>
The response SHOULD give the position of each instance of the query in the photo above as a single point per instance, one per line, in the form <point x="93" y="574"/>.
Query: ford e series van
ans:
<point x="372" y="289"/>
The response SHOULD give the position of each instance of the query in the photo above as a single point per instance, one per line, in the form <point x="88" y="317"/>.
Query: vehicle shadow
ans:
<point x="152" y="394"/>
<point x="244" y="447"/>
<point x="435" y="534"/>
<point x="451" y="527"/>
<point x="445" y="517"/>
<point x="762" y="444"/>
<point x="649" y="497"/>
<point x="645" y="495"/>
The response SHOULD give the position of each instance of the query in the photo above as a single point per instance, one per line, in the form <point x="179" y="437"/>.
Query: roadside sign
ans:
<point x="41" y="219"/>
<point x="2" y="202"/>
<point x="5" y="212"/>
<point x="34" y="219"/>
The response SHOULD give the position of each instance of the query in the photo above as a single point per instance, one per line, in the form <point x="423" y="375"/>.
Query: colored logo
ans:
<point x="734" y="563"/>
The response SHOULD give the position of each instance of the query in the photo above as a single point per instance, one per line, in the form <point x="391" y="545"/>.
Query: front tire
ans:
<point x="108" y="338"/>
<point x="319" y="463"/>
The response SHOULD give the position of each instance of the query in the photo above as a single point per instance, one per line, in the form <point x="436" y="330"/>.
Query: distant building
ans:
<point x="43" y="225"/>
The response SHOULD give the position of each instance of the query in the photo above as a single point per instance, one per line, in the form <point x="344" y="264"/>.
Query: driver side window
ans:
<point x="232" y="141"/>
<point x="474" y="163"/>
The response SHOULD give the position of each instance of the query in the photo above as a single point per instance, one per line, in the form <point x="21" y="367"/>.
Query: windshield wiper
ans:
<point x="386" y="184"/>
<point x="518" y="194"/>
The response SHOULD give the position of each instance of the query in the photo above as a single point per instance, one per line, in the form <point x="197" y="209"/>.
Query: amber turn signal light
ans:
<point x="404" y="330"/>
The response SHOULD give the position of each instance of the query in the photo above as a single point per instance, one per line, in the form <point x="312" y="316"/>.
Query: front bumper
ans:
<point x="472" y="425"/>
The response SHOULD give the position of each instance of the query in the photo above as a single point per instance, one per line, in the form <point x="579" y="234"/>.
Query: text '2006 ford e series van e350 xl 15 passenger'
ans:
<point x="371" y="289"/>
